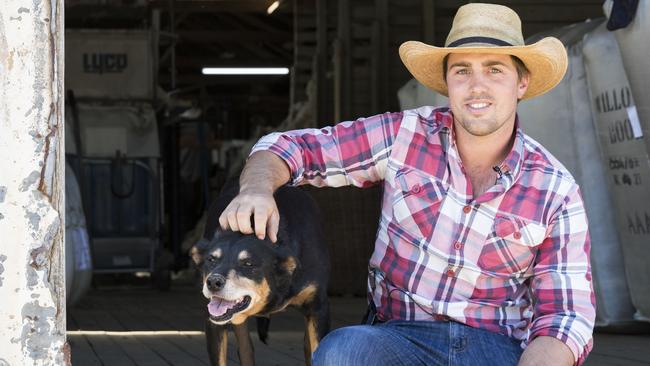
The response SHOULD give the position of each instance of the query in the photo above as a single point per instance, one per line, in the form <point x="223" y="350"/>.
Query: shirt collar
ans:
<point x="511" y="165"/>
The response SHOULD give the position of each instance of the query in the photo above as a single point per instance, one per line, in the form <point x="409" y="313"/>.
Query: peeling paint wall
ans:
<point x="32" y="289"/>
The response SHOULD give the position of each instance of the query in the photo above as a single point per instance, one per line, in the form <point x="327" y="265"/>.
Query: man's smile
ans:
<point x="478" y="106"/>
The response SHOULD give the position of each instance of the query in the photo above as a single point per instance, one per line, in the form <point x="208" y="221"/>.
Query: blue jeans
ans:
<point x="400" y="342"/>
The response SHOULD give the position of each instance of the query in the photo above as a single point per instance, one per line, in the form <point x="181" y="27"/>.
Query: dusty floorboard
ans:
<point x="165" y="328"/>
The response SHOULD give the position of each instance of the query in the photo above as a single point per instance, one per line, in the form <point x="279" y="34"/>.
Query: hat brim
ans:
<point x="546" y="61"/>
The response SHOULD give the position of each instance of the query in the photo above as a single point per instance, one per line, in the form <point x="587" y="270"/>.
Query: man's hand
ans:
<point x="263" y="174"/>
<point x="259" y="204"/>
<point x="544" y="351"/>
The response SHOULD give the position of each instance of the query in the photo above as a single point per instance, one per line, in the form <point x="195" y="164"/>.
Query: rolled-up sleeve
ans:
<point x="349" y="153"/>
<point x="565" y="305"/>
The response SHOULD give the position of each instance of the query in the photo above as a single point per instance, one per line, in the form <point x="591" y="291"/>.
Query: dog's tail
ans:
<point x="263" y="328"/>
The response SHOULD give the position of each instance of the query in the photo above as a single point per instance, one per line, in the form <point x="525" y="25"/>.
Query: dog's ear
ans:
<point x="198" y="250"/>
<point x="289" y="264"/>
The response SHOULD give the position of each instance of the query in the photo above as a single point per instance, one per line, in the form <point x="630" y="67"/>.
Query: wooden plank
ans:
<point x="196" y="345"/>
<point x="626" y="347"/>
<point x="138" y="352"/>
<point x="282" y="350"/>
<point x="596" y="359"/>
<point x="168" y="351"/>
<point x="82" y="352"/>
<point x="134" y="321"/>
<point x="83" y="318"/>
<point x="109" y="352"/>
<point x="106" y="320"/>
<point x="70" y="322"/>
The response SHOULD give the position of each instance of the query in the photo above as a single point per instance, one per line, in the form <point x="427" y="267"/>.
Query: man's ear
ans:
<point x="198" y="250"/>
<point x="522" y="86"/>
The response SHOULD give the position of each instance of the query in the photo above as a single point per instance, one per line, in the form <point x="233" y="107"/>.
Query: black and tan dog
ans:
<point x="244" y="276"/>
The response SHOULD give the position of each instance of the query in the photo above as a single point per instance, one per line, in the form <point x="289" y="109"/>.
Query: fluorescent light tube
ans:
<point x="273" y="7"/>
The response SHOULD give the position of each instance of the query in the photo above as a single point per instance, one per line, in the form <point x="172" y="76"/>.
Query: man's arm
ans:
<point x="349" y="153"/>
<point x="263" y="174"/>
<point x="546" y="351"/>
<point x="562" y="285"/>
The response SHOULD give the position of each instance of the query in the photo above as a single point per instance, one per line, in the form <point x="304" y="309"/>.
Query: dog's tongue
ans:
<point x="218" y="306"/>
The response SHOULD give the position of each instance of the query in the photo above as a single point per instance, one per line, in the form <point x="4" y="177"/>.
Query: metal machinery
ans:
<point x="114" y="146"/>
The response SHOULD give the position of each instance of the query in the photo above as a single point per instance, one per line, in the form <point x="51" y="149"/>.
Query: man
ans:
<point x="482" y="247"/>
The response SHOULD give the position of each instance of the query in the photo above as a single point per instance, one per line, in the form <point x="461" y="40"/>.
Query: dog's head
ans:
<point x="241" y="274"/>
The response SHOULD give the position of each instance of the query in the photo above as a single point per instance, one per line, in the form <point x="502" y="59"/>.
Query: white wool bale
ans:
<point x="625" y="159"/>
<point x="561" y="120"/>
<point x="78" y="264"/>
<point x="413" y="95"/>
<point x="634" y="46"/>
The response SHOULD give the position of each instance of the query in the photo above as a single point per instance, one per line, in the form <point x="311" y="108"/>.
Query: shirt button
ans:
<point x="458" y="245"/>
<point x="467" y="209"/>
<point x="517" y="235"/>
<point x="416" y="189"/>
<point x="450" y="272"/>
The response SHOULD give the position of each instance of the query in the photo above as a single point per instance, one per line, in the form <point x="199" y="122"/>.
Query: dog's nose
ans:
<point x="216" y="282"/>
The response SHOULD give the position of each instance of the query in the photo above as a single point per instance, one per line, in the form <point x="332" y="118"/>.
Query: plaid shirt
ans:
<point x="513" y="261"/>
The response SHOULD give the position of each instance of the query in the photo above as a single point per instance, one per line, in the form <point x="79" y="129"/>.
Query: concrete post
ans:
<point x="32" y="290"/>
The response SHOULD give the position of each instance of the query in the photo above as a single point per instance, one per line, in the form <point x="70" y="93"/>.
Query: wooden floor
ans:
<point x="130" y="325"/>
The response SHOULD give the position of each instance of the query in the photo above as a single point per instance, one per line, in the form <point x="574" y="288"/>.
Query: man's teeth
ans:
<point x="479" y="105"/>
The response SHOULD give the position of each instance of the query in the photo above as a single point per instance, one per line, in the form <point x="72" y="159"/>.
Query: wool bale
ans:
<point x="625" y="159"/>
<point x="561" y="120"/>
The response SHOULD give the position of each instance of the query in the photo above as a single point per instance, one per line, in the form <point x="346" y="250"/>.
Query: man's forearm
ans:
<point x="264" y="172"/>
<point x="546" y="351"/>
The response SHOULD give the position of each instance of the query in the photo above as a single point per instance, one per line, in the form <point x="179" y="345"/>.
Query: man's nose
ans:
<point x="477" y="82"/>
<point x="216" y="282"/>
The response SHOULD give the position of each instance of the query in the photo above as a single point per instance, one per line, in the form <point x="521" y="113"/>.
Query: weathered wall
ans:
<point x="32" y="298"/>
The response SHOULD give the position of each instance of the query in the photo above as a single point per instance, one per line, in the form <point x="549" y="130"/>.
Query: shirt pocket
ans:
<point x="511" y="247"/>
<point x="416" y="203"/>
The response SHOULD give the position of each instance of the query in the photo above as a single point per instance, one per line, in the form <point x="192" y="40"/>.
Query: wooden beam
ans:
<point x="233" y="36"/>
<point x="322" y="109"/>
<point x="198" y="79"/>
<point x="343" y="64"/>
<point x="191" y="61"/>
<point x="256" y="21"/>
<point x="428" y="21"/>
<point x="384" y="27"/>
<point x="217" y="6"/>
<point x="375" y="55"/>
<point x="32" y="187"/>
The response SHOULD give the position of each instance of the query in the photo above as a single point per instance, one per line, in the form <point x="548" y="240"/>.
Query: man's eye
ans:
<point x="462" y="72"/>
<point x="495" y="71"/>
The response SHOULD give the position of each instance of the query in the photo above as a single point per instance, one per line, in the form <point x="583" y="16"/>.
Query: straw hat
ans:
<point x="487" y="28"/>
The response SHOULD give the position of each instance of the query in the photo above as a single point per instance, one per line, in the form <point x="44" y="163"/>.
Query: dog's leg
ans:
<point x="244" y="344"/>
<point x="317" y="325"/>
<point x="217" y="340"/>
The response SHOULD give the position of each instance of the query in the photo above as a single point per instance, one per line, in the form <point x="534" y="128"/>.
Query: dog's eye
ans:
<point x="212" y="259"/>
<point x="247" y="263"/>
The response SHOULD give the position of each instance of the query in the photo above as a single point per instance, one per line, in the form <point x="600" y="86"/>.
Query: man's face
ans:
<point x="483" y="91"/>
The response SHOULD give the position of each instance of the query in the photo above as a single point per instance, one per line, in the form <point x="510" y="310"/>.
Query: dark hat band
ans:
<point x="489" y="40"/>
